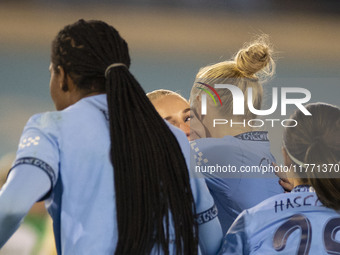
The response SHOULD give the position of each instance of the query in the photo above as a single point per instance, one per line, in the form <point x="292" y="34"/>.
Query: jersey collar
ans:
<point x="303" y="188"/>
<point x="254" y="136"/>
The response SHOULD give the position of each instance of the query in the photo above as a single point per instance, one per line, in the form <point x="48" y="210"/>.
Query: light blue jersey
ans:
<point x="226" y="162"/>
<point x="72" y="147"/>
<point x="290" y="223"/>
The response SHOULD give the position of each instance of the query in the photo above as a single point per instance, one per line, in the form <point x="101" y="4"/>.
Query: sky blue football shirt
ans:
<point x="72" y="147"/>
<point x="289" y="223"/>
<point x="234" y="190"/>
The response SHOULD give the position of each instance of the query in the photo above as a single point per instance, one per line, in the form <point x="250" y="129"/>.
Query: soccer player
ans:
<point x="233" y="147"/>
<point x="307" y="220"/>
<point x="174" y="108"/>
<point x="113" y="173"/>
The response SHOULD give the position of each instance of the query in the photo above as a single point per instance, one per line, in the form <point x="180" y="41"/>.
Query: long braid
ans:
<point x="150" y="173"/>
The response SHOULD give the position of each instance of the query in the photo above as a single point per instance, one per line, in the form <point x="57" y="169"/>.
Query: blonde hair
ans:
<point x="159" y="93"/>
<point x="316" y="140"/>
<point x="251" y="66"/>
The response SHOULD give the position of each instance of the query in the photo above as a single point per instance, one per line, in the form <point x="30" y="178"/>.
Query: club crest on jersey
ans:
<point x="30" y="141"/>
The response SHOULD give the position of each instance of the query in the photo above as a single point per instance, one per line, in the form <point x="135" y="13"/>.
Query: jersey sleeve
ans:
<point x="36" y="164"/>
<point x="38" y="146"/>
<point x="205" y="205"/>
<point x="18" y="195"/>
<point x="209" y="227"/>
<point x="235" y="241"/>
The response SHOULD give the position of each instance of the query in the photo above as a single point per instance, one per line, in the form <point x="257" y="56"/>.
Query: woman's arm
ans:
<point x="210" y="236"/>
<point x="235" y="241"/>
<point x="209" y="227"/>
<point x="26" y="184"/>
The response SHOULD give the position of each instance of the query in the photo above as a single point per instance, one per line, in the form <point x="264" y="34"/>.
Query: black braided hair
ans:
<point x="150" y="173"/>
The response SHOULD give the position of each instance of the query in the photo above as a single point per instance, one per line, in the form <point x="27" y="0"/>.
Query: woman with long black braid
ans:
<point x="148" y="203"/>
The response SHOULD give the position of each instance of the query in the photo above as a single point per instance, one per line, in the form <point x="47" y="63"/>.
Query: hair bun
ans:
<point x="256" y="57"/>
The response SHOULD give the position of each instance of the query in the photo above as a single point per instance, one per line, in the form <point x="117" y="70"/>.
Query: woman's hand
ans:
<point x="284" y="182"/>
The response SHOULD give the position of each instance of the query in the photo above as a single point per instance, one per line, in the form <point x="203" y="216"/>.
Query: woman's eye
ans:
<point x="187" y="119"/>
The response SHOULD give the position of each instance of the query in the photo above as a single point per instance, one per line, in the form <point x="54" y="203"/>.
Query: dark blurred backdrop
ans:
<point x="169" y="41"/>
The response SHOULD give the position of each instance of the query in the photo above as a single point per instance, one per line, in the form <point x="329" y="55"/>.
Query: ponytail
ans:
<point x="151" y="177"/>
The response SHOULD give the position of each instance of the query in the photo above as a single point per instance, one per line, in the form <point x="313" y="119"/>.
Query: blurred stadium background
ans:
<point x="169" y="41"/>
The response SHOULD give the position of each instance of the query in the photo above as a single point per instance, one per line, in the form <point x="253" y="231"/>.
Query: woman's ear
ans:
<point x="286" y="158"/>
<point x="62" y="79"/>
<point x="198" y="108"/>
<point x="290" y="176"/>
<point x="197" y="130"/>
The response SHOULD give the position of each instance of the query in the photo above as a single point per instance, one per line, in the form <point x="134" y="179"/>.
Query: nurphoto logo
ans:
<point x="289" y="96"/>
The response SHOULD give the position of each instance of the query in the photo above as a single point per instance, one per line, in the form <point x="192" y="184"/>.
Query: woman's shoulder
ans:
<point x="243" y="144"/>
<point x="210" y="143"/>
<point x="227" y="146"/>
<point x="69" y="114"/>
<point x="44" y="120"/>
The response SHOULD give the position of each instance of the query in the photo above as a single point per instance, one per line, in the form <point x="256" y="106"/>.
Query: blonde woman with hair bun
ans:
<point x="233" y="148"/>
<point x="251" y="67"/>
